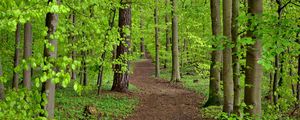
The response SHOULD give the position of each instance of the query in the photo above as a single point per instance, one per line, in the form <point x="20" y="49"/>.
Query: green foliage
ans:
<point x="22" y="104"/>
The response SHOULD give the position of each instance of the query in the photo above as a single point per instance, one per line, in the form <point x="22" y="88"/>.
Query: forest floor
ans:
<point x="160" y="99"/>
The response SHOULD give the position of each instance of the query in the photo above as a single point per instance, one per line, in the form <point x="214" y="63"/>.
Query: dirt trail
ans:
<point x="161" y="100"/>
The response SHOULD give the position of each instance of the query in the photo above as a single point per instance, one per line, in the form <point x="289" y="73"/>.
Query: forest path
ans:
<point x="160" y="100"/>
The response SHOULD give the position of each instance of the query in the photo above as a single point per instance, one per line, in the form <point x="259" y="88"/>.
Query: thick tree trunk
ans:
<point x="175" y="52"/>
<point x="15" y="83"/>
<point x="253" y="70"/>
<point x="235" y="57"/>
<point x="214" y="83"/>
<point x="49" y="87"/>
<point x="227" y="58"/>
<point x="27" y="54"/>
<point x="2" y="88"/>
<point x="167" y="20"/>
<point x="121" y="78"/>
<point x="157" y="67"/>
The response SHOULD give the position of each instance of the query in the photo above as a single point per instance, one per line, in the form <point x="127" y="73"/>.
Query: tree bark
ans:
<point x="15" y="83"/>
<point x="27" y="54"/>
<point x="227" y="58"/>
<point x="253" y="70"/>
<point x="214" y="82"/>
<point x="167" y="20"/>
<point x="298" y="82"/>
<point x="235" y="57"/>
<point x="276" y="79"/>
<point x="142" y="42"/>
<point x="175" y="52"/>
<point x="49" y="87"/>
<point x="157" y="67"/>
<point x="121" y="78"/>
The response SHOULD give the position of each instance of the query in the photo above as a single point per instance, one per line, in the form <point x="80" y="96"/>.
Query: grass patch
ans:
<point x="191" y="82"/>
<point x="69" y="105"/>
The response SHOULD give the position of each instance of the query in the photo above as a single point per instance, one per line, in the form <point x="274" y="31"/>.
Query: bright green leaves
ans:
<point x="21" y="104"/>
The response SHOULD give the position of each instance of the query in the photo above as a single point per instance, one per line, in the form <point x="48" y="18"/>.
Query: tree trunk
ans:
<point x="121" y="78"/>
<point x="27" y="54"/>
<point x="227" y="58"/>
<point x="253" y="70"/>
<point x="85" y="70"/>
<point x="2" y="88"/>
<point x="216" y="57"/>
<point x="175" y="52"/>
<point x="167" y="20"/>
<point x="276" y="79"/>
<point x="298" y="82"/>
<point x="235" y="57"/>
<point x="103" y="56"/>
<point x="15" y="83"/>
<point x="73" y="52"/>
<point x="157" y="68"/>
<point x="49" y="87"/>
<point x="142" y="42"/>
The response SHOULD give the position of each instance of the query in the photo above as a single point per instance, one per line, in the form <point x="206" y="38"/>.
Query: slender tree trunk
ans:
<point x="73" y="52"/>
<point x="84" y="67"/>
<point x="15" y="83"/>
<point x="175" y="52"/>
<point x="121" y="79"/>
<point x="103" y="56"/>
<point x="2" y="88"/>
<point x="254" y="71"/>
<point x="235" y="57"/>
<point x="167" y="20"/>
<point x="227" y="58"/>
<point x="142" y="42"/>
<point x="157" y="68"/>
<point x="27" y="54"/>
<point x="276" y="79"/>
<point x="216" y="57"/>
<point x="298" y="82"/>
<point x="49" y="87"/>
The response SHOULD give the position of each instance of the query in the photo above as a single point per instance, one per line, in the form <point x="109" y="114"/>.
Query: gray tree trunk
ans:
<point x="27" y="54"/>
<point x="175" y="52"/>
<point x="216" y="57"/>
<point x="254" y="71"/>
<point x="227" y="58"/>
<point x="15" y="83"/>
<point x="235" y="57"/>
<point x="49" y="87"/>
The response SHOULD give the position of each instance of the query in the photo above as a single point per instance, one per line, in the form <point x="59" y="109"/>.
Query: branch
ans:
<point x="296" y="4"/>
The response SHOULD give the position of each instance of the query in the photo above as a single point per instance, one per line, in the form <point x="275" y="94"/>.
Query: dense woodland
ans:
<point x="60" y="58"/>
